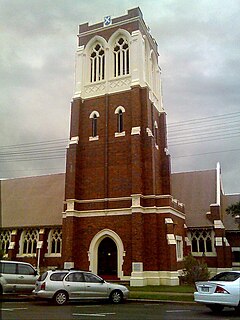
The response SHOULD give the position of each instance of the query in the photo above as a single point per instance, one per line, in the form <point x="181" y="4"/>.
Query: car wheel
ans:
<point x="1" y="290"/>
<point x="60" y="298"/>
<point x="116" y="296"/>
<point x="216" y="308"/>
<point x="237" y="309"/>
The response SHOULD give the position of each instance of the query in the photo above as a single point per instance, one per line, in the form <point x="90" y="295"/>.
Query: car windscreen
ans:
<point x="226" y="276"/>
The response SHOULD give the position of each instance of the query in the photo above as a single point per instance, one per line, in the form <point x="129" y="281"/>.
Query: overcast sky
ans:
<point x="199" y="47"/>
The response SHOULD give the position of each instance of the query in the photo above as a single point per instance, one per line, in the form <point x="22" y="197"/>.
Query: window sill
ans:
<point x="94" y="138"/>
<point x="52" y="255"/>
<point x="205" y="254"/>
<point x="120" y="134"/>
<point x="26" y="255"/>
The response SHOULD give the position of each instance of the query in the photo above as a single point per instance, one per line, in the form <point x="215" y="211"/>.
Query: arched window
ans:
<point x="94" y="125"/>
<point x="121" y="57"/>
<point x="120" y="121"/>
<point x="119" y="112"/>
<point x="94" y="116"/>
<point x="29" y="241"/>
<point x="97" y="59"/>
<point x="202" y="241"/>
<point x="5" y="237"/>
<point x="55" y="241"/>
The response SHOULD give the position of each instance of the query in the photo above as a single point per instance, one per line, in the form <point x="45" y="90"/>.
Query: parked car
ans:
<point x="17" y="277"/>
<point x="63" y="285"/>
<point x="223" y="290"/>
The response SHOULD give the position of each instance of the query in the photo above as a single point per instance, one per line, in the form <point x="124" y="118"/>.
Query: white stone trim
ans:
<point x="122" y="211"/>
<point x="168" y="221"/>
<point x="74" y="140"/>
<point x="93" y="250"/>
<point x="218" y="224"/>
<point x="218" y="241"/>
<point x="171" y="239"/>
<point x="235" y="249"/>
<point x="154" y="278"/>
<point x="149" y="132"/>
<point x="218" y="182"/>
<point x="118" y="109"/>
<point x="94" y="113"/>
<point x="11" y="245"/>
<point x="94" y="138"/>
<point x="136" y="131"/>
<point x="226" y="242"/>
<point x="179" y="247"/>
<point x="120" y="134"/>
<point x="187" y="241"/>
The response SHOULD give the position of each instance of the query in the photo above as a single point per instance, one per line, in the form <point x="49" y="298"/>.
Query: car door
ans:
<point x="26" y="278"/>
<point x="75" y="285"/>
<point x="95" y="286"/>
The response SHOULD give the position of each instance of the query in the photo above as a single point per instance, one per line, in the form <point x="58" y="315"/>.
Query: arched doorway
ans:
<point x="107" y="258"/>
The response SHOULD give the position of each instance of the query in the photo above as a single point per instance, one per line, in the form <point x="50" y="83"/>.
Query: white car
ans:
<point x="223" y="290"/>
<point x="63" y="285"/>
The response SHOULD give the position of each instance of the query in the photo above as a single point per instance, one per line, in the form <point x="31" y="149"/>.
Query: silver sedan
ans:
<point x="63" y="285"/>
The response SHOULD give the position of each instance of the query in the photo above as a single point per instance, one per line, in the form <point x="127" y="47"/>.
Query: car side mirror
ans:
<point x="102" y="281"/>
<point x="35" y="272"/>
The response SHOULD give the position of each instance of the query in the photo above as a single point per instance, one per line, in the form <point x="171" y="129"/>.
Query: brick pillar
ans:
<point x="171" y="242"/>
<point x="13" y="248"/>
<point x="223" y="249"/>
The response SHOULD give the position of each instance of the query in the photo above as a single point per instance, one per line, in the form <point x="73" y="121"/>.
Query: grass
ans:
<point x="171" y="293"/>
<point x="176" y="289"/>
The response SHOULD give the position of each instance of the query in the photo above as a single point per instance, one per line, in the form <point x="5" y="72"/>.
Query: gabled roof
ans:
<point x="197" y="190"/>
<point x="32" y="201"/>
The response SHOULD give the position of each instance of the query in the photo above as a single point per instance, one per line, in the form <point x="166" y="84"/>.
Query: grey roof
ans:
<point x="32" y="201"/>
<point x="197" y="190"/>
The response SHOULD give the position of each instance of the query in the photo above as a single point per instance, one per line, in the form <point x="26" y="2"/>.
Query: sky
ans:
<point x="199" y="55"/>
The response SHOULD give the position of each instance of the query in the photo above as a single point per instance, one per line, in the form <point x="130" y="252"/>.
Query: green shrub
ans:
<point x="194" y="270"/>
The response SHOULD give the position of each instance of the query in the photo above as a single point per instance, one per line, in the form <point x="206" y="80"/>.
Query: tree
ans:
<point x="234" y="209"/>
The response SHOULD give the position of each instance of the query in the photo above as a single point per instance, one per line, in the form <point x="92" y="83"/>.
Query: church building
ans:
<point x="118" y="211"/>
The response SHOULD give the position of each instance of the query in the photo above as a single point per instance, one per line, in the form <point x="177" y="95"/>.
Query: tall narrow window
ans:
<point x="97" y="59"/>
<point x="120" y="124"/>
<point x="94" y="118"/>
<point x="120" y="121"/>
<point x="121" y="57"/>
<point x="94" y="125"/>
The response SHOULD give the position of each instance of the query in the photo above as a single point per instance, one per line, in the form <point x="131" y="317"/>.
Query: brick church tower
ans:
<point x="120" y="220"/>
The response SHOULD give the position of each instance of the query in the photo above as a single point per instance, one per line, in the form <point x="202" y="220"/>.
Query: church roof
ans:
<point x="197" y="190"/>
<point x="32" y="201"/>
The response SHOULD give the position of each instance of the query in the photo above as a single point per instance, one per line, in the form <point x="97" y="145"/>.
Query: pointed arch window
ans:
<point x="97" y="59"/>
<point x="29" y="239"/>
<point x="5" y="238"/>
<point x="120" y="123"/>
<point x="55" y="242"/>
<point x="94" y="118"/>
<point x="121" y="57"/>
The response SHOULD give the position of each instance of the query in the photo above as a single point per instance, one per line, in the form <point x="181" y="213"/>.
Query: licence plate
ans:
<point x="205" y="289"/>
